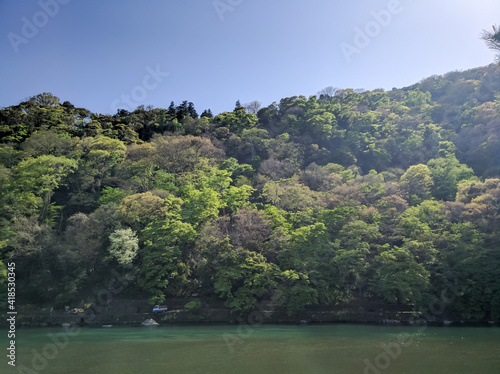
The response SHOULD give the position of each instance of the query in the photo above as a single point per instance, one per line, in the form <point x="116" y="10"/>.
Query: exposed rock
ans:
<point x="150" y="322"/>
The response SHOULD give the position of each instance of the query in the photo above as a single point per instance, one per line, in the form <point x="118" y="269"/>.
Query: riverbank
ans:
<point x="181" y="311"/>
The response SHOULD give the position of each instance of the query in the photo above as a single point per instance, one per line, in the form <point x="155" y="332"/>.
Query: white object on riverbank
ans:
<point x="150" y="322"/>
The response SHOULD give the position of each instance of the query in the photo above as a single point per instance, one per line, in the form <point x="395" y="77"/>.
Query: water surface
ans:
<point x="273" y="349"/>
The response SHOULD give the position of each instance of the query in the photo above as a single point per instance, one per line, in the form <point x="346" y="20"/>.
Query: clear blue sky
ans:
<point x="93" y="52"/>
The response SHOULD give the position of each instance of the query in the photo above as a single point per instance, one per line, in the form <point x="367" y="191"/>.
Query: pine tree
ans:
<point x="238" y="106"/>
<point x="207" y="113"/>
<point x="191" y="111"/>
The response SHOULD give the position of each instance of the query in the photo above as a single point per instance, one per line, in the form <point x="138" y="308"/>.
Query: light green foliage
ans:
<point x="104" y="151"/>
<point x="277" y="216"/>
<point x="447" y="173"/>
<point x="305" y="242"/>
<point x="110" y="195"/>
<point x="124" y="246"/>
<point x="35" y="181"/>
<point x="201" y="205"/>
<point x="236" y="169"/>
<point x="416" y="184"/>
<point x="419" y="101"/>
<point x="236" y="198"/>
<point x="236" y="121"/>
<point x="322" y="125"/>
<point x="165" y="181"/>
<point x="421" y="221"/>
<point x="163" y="258"/>
<point x="42" y="175"/>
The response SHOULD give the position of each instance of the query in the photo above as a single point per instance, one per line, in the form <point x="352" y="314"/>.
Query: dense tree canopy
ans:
<point x="351" y="195"/>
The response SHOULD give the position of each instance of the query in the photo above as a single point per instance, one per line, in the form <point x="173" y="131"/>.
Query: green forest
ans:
<point x="383" y="196"/>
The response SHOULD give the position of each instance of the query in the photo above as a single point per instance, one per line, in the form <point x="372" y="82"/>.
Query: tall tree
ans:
<point x="416" y="184"/>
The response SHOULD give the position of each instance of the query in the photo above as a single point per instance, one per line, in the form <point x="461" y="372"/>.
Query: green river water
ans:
<point x="266" y="349"/>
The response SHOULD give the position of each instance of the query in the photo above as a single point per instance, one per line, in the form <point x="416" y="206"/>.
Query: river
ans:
<point x="329" y="349"/>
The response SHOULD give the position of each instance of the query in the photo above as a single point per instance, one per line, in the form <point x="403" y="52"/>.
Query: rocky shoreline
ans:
<point x="223" y="316"/>
<point x="120" y="312"/>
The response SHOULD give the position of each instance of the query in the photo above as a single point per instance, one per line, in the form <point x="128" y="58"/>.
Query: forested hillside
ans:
<point x="347" y="195"/>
